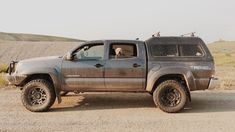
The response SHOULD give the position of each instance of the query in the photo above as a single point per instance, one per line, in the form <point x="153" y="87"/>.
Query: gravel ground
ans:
<point x="210" y="111"/>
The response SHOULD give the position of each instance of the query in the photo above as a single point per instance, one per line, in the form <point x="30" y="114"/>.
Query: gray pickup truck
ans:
<point x="166" y="67"/>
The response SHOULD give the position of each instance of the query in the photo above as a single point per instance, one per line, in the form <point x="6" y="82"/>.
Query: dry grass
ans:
<point x="3" y="80"/>
<point x="223" y="52"/>
<point x="3" y="68"/>
<point x="224" y="55"/>
<point x="226" y="77"/>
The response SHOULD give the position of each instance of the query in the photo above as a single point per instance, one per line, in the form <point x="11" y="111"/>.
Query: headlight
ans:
<point x="12" y="67"/>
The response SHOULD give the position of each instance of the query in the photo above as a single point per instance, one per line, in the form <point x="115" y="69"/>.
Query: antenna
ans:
<point x="192" y="34"/>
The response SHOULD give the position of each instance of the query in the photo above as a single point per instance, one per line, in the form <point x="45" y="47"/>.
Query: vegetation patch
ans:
<point x="223" y="53"/>
<point x="224" y="56"/>
<point x="3" y="80"/>
<point x="3" y="69"/>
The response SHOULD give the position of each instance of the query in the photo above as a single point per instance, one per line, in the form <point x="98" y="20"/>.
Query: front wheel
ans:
<point x="170" y="96"/>
<point x="38" y="95"/>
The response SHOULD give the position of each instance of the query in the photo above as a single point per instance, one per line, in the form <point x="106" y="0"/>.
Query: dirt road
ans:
<point x="210" y="111"/>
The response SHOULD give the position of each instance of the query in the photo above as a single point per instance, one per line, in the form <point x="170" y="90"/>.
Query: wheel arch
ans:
<point x="52" y="77"/>
<point x="178" y="77"/>
<point x="182" y="74"/>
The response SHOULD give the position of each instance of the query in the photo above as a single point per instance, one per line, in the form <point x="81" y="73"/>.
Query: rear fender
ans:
<point x="154" y="75"/>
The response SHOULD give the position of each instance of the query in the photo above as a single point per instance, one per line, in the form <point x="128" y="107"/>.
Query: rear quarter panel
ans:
<point x="197" y="71"/>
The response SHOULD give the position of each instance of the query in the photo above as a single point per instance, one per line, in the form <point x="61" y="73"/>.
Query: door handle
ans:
<point x="136" y="65"/>
<point x="98" y="65"/>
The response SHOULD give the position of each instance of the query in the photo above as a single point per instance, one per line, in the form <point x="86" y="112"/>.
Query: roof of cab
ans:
<point x="113" y="41"/>
<point x="173" y="40"/>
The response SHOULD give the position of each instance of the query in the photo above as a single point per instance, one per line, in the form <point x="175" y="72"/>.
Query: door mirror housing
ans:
<point x="69" y="56"/>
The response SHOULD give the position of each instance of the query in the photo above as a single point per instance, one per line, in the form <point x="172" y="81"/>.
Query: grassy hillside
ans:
<point x="223" y="52"/>
<point x="32" y="37"/>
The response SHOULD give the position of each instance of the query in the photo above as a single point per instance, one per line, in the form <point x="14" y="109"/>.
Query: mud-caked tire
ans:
<point x="170" y="96"/>
<point x="38" y="95"/>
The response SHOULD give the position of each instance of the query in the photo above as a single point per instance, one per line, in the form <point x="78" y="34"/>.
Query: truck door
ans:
<point x="85" y="72"/>
<point x="125" y="67"/>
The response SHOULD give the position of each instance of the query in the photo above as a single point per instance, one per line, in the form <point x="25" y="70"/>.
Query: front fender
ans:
<point x="54" y="74"/>
<point x="155" y="73"/>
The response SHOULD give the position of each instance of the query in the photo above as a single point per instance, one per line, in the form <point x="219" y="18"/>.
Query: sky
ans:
<point x="119" y="19"/>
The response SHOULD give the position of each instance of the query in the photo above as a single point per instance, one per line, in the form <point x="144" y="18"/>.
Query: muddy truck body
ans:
<point x="166" y="67"/>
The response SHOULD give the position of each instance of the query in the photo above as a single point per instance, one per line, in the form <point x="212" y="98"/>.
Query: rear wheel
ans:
<point x="38" y="95"/>
<point x="170" y="96"/>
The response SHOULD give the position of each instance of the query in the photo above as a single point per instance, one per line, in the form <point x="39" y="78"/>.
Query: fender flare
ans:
<point x="52" y="72"/>
<point x="154" y="75"/>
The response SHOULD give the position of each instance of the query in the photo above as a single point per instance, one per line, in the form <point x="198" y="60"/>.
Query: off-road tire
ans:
<point x="161" y="96"/>
<point x="48" y="92"/>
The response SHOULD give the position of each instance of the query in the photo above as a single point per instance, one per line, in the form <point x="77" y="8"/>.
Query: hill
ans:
<point x="18" y="50"/>
<point x="33" y="38"/>
<point x="223" y="52"/>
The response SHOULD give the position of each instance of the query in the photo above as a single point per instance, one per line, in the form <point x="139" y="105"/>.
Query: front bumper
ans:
<point x="214" y="82"/>
<point x="12" y="76"/>
<point x="14" y="79"/>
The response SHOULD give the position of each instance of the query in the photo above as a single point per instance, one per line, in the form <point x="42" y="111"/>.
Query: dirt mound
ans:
<point x="18" y="50"/>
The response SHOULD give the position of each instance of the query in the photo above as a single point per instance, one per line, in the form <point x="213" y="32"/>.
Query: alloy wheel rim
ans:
<point x="37" y="96"/>
<point x="170" y="97"/>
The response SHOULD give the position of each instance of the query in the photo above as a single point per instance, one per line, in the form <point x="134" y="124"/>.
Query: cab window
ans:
<point x="89" y="52"/>
<point x="122" y="50"/>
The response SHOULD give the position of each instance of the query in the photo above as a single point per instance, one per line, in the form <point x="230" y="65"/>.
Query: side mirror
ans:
<point x="69" y="56"/>
<point x="86" y="48"/>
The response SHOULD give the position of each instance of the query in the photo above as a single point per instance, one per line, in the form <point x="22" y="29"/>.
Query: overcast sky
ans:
<point x="119" y="19"/>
